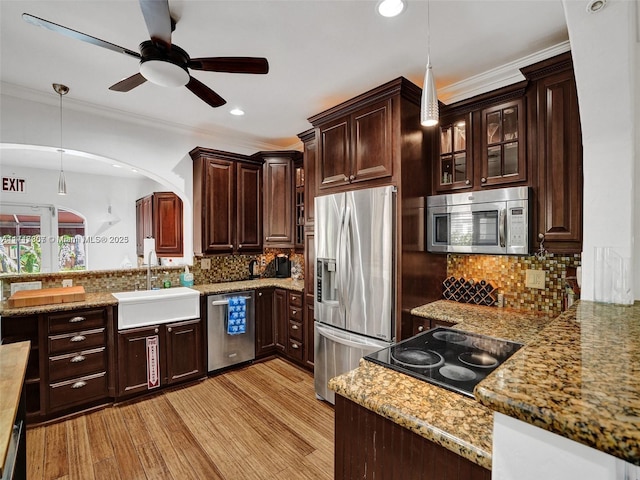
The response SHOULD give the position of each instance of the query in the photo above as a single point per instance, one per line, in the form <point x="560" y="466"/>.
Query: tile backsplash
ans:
<point x="223" y="268"/>
<point x="508" y="274"/>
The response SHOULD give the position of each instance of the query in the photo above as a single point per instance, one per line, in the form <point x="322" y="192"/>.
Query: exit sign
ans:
<point x="13" y="184"/>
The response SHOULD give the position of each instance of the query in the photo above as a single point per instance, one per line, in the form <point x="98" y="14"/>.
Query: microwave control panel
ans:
<point x="517" y="227"/>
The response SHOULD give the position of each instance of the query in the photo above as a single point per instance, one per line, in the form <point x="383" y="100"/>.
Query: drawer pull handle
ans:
<point x="78" y="338"/>
<point x="295" y="346"/>
<point x="77" y="319"/>
<point x="78" y="359"/>
<point x="79" y="384"/>
<point x="294" y="327"/>
<point x="169" y="329"/>
<point x="294" y="312"/>
<point x="421" y="328"/>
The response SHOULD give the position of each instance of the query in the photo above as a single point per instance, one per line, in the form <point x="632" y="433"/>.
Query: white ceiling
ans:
<point x="320" y="54"/>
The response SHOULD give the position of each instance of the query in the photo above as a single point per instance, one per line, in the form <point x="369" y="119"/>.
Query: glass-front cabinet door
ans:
<point x="454" y="163"/>
<point x="503" y="144"/>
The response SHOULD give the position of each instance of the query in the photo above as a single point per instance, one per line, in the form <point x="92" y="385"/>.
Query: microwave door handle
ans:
<point x="502" y="224"/>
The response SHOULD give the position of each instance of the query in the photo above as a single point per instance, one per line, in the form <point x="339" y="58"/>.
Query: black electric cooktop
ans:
<point x="450" y="358"/>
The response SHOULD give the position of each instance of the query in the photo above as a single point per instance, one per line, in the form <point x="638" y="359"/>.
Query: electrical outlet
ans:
<point x="263" y="261"/>
<point x="205" y="263"/>
<point x="67" y="282"/>
<point x="535" y="278"/>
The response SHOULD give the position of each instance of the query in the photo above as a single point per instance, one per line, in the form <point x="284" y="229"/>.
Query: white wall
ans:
<point x="89" y="196"/>
<point x="605" y="54"/>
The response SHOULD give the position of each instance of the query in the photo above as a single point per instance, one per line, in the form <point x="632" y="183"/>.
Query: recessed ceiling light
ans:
<point x="237" y="112"/>
<point x="596" y="5"/>
<point x="390" y="8"/>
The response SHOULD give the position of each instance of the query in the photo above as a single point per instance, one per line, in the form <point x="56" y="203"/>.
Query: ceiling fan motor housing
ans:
<point x="164" y="66"/>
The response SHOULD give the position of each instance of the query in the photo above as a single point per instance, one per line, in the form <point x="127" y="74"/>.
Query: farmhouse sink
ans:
<point x="150" y="307"/>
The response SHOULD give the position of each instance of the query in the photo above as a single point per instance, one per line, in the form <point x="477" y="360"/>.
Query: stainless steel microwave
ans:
<point x="490" y="222"/>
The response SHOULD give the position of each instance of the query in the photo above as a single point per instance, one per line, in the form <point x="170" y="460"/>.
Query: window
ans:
<point x="34" y="240"/>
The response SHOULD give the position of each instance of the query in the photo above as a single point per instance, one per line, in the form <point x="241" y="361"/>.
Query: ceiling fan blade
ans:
<point x="128" y="83"/>
<point x="54" y="27"/>
<point x="158" y="19"/>
<point x="231" y="64"/>
<point x="205" y="93"/>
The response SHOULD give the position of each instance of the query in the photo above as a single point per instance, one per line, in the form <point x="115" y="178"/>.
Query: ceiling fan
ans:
<point x="162" y="62"/>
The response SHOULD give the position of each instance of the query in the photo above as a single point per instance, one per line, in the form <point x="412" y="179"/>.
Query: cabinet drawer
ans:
<point x="295" y="330"/>
<point x="295" y="349"/>
<point x="77" y="364"/>
<point x="295" y="313"/>
<point x="77" y="391"/>
<point x="420" y="325"/>
<point x="69" y="322"/>
<point x="295" y="299"/>
<point x="77" y="341"/>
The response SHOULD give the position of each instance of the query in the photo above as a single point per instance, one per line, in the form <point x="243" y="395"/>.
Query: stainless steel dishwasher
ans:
<point x="226" y="348"/>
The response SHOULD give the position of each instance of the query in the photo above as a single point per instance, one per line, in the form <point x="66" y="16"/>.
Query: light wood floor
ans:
<point x="258" y="422"/>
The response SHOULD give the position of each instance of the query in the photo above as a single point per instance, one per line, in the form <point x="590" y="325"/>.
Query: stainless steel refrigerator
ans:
<point x="354" y="304"/>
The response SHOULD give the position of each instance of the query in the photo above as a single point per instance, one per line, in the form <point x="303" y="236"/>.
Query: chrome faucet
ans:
<point x="149" y="277"/>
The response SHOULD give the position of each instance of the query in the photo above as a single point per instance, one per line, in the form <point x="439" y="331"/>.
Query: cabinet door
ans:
<point x="167" y="224"/>
<point x="334" y="163"/>
<point x="265" y="331"/>
<point x="309" y="283"/>
<point x="278" y="190"/>
<point x="502" y="133"/>
<point x="281" y="319"/>
<point x="310" y="155"/>
<point x="560" y="164"/>
<point x="144" y="222"/>
<point x="219" y="206"/>
<point x="132" y="359"/>
<point x="419" y="325"/>
<point x="184" y="350"/>
<point x="453" y="170"/>
<point x="249" y="208"/>
<point x="371" y="151"/>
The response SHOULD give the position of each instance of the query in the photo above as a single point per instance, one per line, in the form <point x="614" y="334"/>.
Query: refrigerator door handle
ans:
<point x="340" y="263"/>
<point x="337" y="339"/>
<point x="348" y="253"/>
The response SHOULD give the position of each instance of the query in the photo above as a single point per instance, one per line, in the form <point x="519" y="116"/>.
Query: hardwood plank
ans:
<point x="136" y="426"/>
<point x="35" y="452"/>
<point x="125" y="453"/>
<point x="56" y="464"/>
<point x="184" y="457"/>
<point x="100" y="444"/>
<point x="152" y="461"/>
<point x="80" y="461"/>
<point x="106" y="469"/>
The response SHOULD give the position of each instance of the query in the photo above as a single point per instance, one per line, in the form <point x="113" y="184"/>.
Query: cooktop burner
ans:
<point x="449" y="358"/>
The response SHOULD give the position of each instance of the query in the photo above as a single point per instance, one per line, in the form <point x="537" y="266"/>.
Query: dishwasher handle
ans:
<point x="225" y="302"/>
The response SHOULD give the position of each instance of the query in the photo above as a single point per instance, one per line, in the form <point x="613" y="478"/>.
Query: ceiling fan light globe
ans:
<point x="164" y="73"/>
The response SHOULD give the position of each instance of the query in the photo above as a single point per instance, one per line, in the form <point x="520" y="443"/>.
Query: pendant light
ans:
<point x="429" y="108"/>
<point x="62" y="183"/>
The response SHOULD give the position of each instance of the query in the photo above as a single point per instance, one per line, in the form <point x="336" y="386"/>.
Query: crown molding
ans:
<point x="495" y="78"/>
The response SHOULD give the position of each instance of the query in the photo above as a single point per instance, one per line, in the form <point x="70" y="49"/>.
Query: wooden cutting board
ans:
<point x="46" y="296"/>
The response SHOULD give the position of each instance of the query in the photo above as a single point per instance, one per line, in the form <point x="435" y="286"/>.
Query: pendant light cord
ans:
<point x="428" y="31"/>
<point x="61" y="168"/>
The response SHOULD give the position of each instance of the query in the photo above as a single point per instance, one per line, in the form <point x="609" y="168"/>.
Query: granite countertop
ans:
<point x="456" y="422"/>
<point x="580" y="379"/>
<point x="105" y="299"/>
<point x="13" y="366"/>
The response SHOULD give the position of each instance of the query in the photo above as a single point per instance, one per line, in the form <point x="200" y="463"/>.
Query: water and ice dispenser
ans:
<point x="326" y="280"/>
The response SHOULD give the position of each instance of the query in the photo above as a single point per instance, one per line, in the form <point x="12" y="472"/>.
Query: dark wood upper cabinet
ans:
<point x="558" y="151"/>
<point x="280" y="206"/>
<point x="309" y="167"/>
<point x="227" y="202"/>
<point x="355" y="140"/>
<point x="159" y="215"/>
<point x="453" y="169"/>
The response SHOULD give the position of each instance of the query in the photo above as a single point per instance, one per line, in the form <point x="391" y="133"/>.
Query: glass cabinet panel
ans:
<point x="503" y="150"/>
<point x="454" y="168"/>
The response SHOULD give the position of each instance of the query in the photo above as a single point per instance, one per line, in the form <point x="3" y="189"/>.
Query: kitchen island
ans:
<point x="577" y="377"/>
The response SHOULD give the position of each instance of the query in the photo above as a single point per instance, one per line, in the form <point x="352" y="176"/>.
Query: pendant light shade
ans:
<point x="62" y="183"/>
<point x="429" y="112"/>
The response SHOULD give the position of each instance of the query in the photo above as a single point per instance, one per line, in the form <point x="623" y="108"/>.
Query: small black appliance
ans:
<point x="283" y="266"/>
<point x="253" y="269"/>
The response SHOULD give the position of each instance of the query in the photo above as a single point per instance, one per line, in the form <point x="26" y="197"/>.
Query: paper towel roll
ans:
<point x="149" y="247"/>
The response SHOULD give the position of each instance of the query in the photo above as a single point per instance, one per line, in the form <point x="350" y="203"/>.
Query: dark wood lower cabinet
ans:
<point x="265" y="332"/>
<point x="368" y="446"/>
<point x="184" y="350"/>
